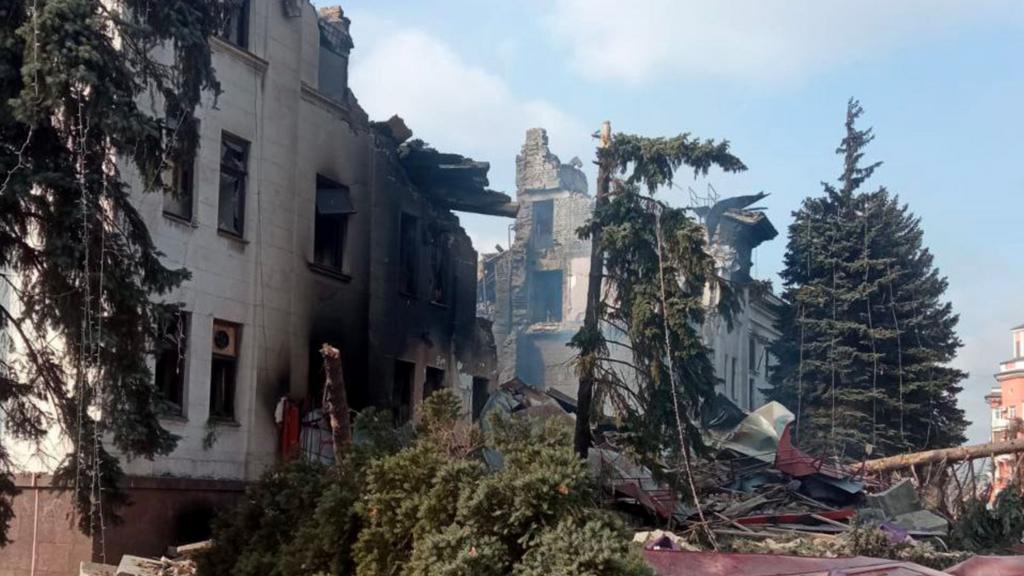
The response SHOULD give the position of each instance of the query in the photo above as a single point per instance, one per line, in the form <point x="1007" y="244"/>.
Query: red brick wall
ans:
<point x="164" y="512"/>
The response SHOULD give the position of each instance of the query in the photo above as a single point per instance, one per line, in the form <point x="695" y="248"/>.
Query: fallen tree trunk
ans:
<point x="950" y="455"/>
<point x="336" y="402"/>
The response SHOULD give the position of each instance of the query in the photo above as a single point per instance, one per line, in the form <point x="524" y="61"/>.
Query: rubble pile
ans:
<point x="179" y="561"/>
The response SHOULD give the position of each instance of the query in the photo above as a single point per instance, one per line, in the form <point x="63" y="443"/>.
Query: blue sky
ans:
<point x="941" y="81"/>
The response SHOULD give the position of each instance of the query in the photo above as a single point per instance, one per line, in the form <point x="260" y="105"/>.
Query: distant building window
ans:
<point x="224" y="370"/>
<point x="401" y="391"/>
<point x="546" y="305"/>
<point x="480" y="395"/>
<point x="751" y="393"/>
<point x="408" y="253"/>
<point x="543" y="223"/>
<point x="752" y="354"/>
<point x="434" y="381"/>
<point x="234" y="160"/>
<point x="333" y="207"/>
<point x="179" y="198"/>
<point x="236" y="26"/>
<point x="440" y="266"/>
<point x="172" y="351"/>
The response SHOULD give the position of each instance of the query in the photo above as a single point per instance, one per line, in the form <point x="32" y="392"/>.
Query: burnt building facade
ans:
<point x="302" y="223"/>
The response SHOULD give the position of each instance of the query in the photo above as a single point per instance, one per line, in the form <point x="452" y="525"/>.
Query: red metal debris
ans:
<point x="989" y="566"/>
<point x="799" y="517"/>
<point x="679" y="563"/>
<point x="797" y="463"/>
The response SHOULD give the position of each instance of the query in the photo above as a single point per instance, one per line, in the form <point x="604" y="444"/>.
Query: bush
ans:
<point x="431" y="508"/>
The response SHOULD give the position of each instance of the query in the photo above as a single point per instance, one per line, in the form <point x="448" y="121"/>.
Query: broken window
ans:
<point x="440" y="267"/>
<point x="224" y="370"/>
<point x="433" y="382"/>
<point x="543" y="223"/>
<point x="333" y="207"/>
<point x="170" y="366"/>
<point x="408" y="254"/>
<point x="236" y="26"/>
<point x="546" y="302"/>
<point x="234" y="158"/>
<point x="480" y="395"/>
<point x="178" y="200"/>
<point x="401" y="391"/>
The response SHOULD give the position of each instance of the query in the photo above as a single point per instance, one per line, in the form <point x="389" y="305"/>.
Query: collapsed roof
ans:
<point x="454" y="181"/>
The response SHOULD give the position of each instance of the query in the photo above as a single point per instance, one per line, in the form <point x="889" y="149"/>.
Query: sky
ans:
<point x="941" y="82"/>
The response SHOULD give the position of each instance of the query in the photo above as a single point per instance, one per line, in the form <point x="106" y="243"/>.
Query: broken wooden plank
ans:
<point x="830" y="521"/>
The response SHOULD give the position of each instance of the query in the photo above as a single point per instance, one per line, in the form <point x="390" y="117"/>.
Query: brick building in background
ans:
<point x="1006" y="399"/>
<point x="301" y="222"/>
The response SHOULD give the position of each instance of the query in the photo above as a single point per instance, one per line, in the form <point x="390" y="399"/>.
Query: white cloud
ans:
<point x="453" y="105"/>
<point x="748" y="40"/>
<point x="456" y="107"/>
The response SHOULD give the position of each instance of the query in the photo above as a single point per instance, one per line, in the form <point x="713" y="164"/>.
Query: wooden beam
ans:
<point x="958" y="454"/>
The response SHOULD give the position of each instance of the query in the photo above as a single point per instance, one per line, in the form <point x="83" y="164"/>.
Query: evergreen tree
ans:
<point x="866" y="335"/>
<point x="78" y="83"/>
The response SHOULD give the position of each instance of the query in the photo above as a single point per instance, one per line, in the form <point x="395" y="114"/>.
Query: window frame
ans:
<point x="169" y="407"/>
<point x="227" y="140"/>
<point x="340" y="221"/>
<point x="236" y="31"/>
<point x="408" y="255"/>
<point x="543" y="238"/>
<point x="220" y="416"/>
<point x="540" y="305"/>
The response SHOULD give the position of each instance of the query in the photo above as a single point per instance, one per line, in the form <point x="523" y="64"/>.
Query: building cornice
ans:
<point x="248" y="58"/>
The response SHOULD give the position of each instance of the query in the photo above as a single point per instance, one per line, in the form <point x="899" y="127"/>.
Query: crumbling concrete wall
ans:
<point x="533" y="349"/>
<point x="536" y="352"/>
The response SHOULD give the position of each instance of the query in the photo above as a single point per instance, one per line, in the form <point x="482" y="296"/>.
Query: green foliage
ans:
<point x="75" y="81"/>
<point x="251" y="538"/>
<point x="582" y="547"/>
<point x="649" y="331"/>
<point x="428" y="509"/>
<point x="866" y="334"/>
<point x="980" y="529"/>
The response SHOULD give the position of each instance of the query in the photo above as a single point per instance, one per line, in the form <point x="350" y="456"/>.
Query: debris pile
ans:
<point x="179" y="561"/>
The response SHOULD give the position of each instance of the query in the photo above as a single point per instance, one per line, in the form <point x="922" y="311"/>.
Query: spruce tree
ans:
<point x="89" y="89"/>
<point x="866" y="334"/>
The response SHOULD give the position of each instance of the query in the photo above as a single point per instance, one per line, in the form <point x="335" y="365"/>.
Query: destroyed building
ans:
<point x="535" y="292"/>
<point x="301" y="223"/>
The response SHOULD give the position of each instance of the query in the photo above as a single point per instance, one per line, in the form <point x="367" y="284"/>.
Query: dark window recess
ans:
<point x="750" y="393"/>
<point x="224" y="370"/>
<point x="236" y="27"/>
<point x="479" y="396"/>
<point x="170" y="364"/>
<point x="408" y="254"/>
<point x="234" y="159"/>
<point x="401" y="391"/>
<point x="333" y="207"/>
<point x="178" y="200"/>
<point x="752" y="354"/>
<point x="433" y="382"/>
<point x="547" y="296"/>
<point x="543" y="223"/>
<point x="440" y="267"/>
